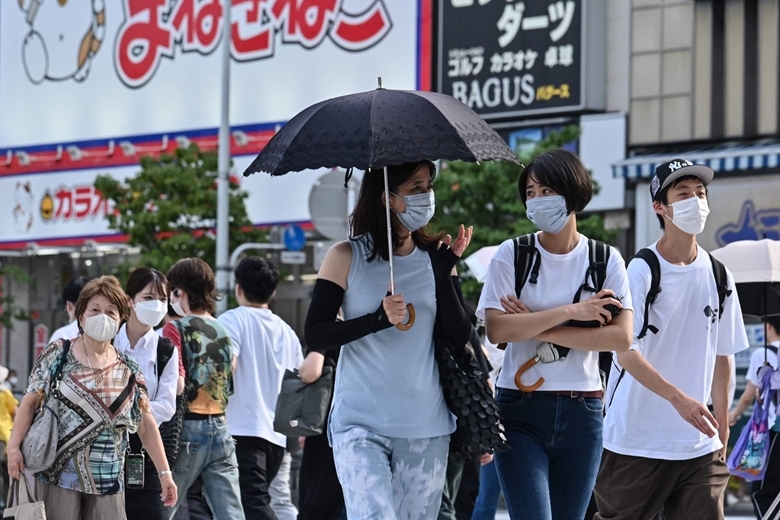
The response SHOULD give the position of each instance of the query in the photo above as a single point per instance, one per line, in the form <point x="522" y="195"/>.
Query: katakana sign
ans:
<point x="505" y="58"/>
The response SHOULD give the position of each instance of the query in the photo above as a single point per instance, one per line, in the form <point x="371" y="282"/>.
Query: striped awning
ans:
<point x="725" y="159"/>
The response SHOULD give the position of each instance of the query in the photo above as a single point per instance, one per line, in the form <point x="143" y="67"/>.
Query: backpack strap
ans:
<point x="721" y="282"/>
<point x="596" y="275"/>
<point x="772" y="348"/>
<point x="527" y="261"/>
<point x="165" y="350"/>
<point x="598" y="252"/>
<point x="651" y="260"/>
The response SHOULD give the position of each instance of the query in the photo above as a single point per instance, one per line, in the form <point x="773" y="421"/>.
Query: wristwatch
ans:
<point x="163" y="473"/>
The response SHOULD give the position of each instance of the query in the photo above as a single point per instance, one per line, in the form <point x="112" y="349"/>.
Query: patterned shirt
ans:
<point x="207" y="352"/>
<point x="93" y="419"/>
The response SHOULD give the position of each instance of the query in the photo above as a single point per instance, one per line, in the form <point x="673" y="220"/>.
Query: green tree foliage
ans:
<point x="9" y="311"/>
<point x="485" y="196"/>
<point x="169" y="208"/>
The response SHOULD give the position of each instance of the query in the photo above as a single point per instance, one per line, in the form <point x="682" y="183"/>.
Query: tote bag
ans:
<point x="27" y="510"/>
<point x="302" y="408"/>
<point x="749" y="456"/>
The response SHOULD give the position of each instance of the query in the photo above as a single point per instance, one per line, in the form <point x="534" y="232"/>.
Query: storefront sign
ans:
<point x="513" y="58"/>
<point x="64" y="207"/>
<point x="97" y="69"/>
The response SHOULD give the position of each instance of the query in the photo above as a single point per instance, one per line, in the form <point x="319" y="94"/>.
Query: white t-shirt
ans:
<point x="560" y="276"/>
<point x="641" y="423"/>
<point x="265" y="346"/>
<point x="756" y="362"/>
<point x="69" y="331"/>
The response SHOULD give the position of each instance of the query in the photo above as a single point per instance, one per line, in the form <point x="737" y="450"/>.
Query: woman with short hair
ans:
<point x="102" y="397"/>
<point x="207" y="449"/>
<point x="555" y="430"/>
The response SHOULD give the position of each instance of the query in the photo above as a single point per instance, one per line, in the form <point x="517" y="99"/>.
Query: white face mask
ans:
<point x="101" y="327"/>
<point x="177" y="309"/>
<point x="150" y="312"/>
<point x="548" y="213"/>
<point x="13" y="380"/>
<point x="690" y="215"/>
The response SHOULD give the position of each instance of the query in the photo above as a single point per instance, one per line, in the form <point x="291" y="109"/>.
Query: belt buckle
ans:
<point x="574" y="394"/>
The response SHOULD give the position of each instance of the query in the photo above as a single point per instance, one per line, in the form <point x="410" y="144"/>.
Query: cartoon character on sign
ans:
<point x="23" y="207"/>
<point x="64" y="37"/>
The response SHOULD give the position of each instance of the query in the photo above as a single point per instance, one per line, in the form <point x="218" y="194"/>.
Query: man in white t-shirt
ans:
<point x="70" y="295"/>
<point x="763" y="491"/>
<point x="663" y="448"/>
<point x="264" y="346"/>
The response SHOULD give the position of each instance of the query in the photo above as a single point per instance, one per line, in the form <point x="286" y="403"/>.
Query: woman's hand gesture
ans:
<point x="15" y="463"/>
<point x="594" y="309"/>
<point x="462" y="242"/>
<point x="169" y="493"/>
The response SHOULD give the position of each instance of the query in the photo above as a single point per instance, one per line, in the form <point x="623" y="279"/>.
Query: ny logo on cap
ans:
<point x="676" y="165"/>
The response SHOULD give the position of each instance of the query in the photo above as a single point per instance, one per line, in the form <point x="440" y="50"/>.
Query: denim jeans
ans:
<point x="208" y="450"/>
<point x="556" y="443"/>
<point x="489" y="492"/>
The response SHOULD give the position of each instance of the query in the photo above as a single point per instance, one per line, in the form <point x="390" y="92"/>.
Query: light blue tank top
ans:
<point x="388" y="382"/>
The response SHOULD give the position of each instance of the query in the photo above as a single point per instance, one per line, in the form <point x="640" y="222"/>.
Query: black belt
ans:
<point x="191" y="416"/>
<point x="576" y="394"/>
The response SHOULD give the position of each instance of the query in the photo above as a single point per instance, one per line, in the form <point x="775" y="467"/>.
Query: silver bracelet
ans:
<point x="163" y="473"/>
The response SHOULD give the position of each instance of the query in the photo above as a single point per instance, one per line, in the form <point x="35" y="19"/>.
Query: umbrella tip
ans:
<point x="379" y="80"/>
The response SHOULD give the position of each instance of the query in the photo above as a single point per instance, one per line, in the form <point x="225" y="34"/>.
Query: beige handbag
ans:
<point x="27" y="510"/>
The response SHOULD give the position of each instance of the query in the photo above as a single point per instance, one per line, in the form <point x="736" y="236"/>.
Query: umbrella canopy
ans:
<point x="751" y="260"/>
<point x="755" y="265"/>
<point x="479" y="261"/>
<point x="379" y="128"/>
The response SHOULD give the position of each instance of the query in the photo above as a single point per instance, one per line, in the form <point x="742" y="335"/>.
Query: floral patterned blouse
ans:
<point x="93" y="419"/>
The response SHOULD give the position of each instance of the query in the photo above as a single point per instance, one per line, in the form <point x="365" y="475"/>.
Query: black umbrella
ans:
<point x="372" y="130"/>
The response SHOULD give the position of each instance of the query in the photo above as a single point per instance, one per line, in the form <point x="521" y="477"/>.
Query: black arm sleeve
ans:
<point x="323" y="332"/>
<point x="450" y="311"/>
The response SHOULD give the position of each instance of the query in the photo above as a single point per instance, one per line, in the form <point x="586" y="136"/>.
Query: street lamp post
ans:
<point x="223" y="166"/>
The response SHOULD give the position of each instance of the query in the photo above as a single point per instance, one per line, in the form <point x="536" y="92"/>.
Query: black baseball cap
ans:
<point x="668" y="172"/>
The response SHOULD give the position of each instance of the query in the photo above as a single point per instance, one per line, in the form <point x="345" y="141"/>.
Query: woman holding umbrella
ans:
<point x="389" y="424"/>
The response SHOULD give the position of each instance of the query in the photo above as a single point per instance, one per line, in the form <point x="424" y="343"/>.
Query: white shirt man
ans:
<point x="663" y="448"/>
<point x="70" y="295"/>
<point x="264" y="347"/>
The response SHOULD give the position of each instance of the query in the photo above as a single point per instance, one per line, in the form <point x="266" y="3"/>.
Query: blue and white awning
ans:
<point x="724" y="159"/>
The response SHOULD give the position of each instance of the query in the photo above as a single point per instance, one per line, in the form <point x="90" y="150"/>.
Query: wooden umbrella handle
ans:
<point x="410" y="321"/>
<point x="520" y="371"/>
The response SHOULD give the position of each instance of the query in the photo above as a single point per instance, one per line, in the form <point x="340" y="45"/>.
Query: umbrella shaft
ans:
<point x="389" y="233"/>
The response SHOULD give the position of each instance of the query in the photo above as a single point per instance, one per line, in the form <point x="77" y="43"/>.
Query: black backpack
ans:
<point x="650" y="258"/>
<point x="528" y="262"/>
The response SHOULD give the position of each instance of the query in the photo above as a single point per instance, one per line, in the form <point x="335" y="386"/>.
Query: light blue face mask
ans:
<point x="548" y="213"/>
<point x="419" y="210"/>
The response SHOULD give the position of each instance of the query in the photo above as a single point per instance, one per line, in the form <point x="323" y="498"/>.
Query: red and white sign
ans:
<point x="63" y="207"/>
<point x="87" y="70"/>
<point x="40" y="338"/>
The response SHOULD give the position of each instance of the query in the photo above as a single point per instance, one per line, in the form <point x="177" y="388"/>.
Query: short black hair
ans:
<point x="564" y="173"/>
<point x="663" y="197"/>
<point x="258" y="278"/>
<point x="73" y="289"/>
<point x="774" y="321"/>
<point x="196" y="278"/>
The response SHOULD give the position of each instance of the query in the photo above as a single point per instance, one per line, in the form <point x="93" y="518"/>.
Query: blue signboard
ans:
<point x="294" y="237"/>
